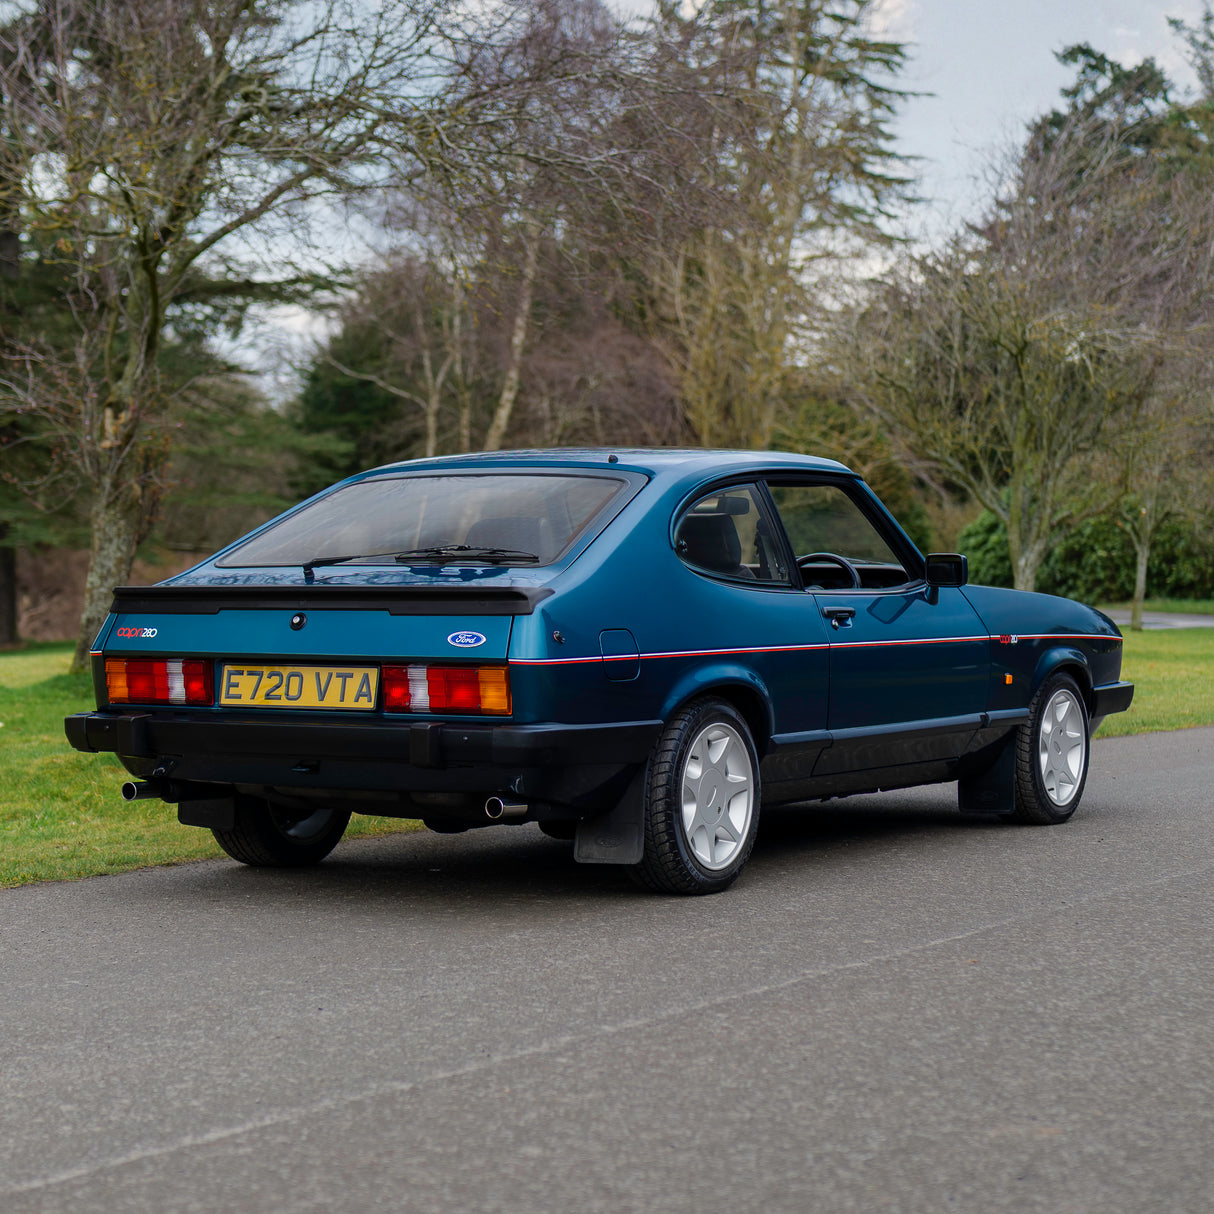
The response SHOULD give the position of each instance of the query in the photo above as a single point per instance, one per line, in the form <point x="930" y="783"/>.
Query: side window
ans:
<point x="726" y="534"/>
<point x="836" y="546"/>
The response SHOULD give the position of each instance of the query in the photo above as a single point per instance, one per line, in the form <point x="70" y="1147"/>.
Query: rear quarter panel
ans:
<point x="693" y="634"/>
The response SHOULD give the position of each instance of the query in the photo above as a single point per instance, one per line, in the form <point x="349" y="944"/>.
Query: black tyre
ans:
<point x="701" y="801"/>
<point x="1052" y="754"/>
<point x="446" y="826"/>
<point x="268" y="836"/>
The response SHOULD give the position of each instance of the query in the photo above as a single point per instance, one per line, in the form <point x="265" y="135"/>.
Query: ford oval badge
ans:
<point x="466" y="640"/>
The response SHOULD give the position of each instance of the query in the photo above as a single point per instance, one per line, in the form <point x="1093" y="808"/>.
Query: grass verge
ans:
<point x="1173" y="675"/>
<point x="62" y="816"/>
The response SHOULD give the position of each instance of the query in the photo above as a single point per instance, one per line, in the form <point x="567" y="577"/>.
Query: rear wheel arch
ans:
<point x="754" y="709"/>
<point x="747" y="698"/>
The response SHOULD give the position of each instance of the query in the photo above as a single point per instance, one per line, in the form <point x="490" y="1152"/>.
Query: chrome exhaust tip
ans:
<point x="140" y="790"/>
<point x="498" y="810"/>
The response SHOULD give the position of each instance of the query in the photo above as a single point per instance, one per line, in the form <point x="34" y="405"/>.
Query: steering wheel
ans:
<point x="852" y="572"/>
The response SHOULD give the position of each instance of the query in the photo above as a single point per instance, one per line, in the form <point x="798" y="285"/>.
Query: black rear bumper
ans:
<point x="580" y="765"/>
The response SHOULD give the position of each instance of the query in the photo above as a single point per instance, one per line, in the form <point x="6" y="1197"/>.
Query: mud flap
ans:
<point x="216" y="814"/>
<point x="618" y="836"/>
<point x="992" y="791"/>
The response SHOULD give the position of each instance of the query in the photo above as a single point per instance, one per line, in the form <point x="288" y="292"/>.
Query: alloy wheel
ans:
<point x="717" y="795"/>
<point x="1062" y="747"/>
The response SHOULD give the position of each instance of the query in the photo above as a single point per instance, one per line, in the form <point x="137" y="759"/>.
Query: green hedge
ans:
<point x="1095" y="562"/>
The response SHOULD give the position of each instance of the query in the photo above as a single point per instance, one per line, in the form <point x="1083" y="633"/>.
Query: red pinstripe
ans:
<point x="704" y="653"/>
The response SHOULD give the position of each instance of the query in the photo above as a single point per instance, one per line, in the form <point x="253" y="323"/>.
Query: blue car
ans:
<point x="635" y="649"/>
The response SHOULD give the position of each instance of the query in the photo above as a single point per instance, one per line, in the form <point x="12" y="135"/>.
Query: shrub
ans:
<point x="984" y="541"/>
<point x="1095" y="561"/>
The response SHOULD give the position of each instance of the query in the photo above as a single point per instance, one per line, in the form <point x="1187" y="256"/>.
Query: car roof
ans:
<point x="651" y="461"/>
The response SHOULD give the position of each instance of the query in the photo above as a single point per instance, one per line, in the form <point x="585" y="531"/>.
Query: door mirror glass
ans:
<point x="947" y="569"/>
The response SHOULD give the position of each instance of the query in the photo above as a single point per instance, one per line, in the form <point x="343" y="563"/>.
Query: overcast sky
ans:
<point x="990" y="67"/>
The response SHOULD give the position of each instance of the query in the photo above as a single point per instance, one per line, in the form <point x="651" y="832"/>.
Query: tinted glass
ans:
<point x="726" y="534"/>
<point x="534" y="514"/>
<point x="822" y="518"/>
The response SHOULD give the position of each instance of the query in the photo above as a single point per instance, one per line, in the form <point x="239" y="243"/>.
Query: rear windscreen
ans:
<point x="372" y="521"/>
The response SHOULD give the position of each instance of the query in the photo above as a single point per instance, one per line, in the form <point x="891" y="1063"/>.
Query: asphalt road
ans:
<point x="895" y="1009"/>
<point x="1163" y="620"/>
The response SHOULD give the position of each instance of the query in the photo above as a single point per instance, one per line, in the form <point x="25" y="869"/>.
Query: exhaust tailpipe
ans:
<point x="141" y="790"/>
<point x="497" y="810"/>
<point x="173" y="791"/>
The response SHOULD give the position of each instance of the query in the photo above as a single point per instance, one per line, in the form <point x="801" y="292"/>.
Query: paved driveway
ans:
<point x="894" y="1009"/>
<point x="1153" y="621"/>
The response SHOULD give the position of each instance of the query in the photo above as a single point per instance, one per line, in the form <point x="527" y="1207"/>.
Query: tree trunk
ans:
<point x="1024" y="570"/>
<point x="434" y="389"/>
<point x="518" y="341"/>
<point x="465" y="419"/>
<point x="432" y="403"/>
<point x="1142" y="554"/>
<point x="116" y="519"/>
<point x="1141" y="524"/>
<point x="1025" y="546"/>
<point x="8" y="592"/>
<point x="10" y="264"/>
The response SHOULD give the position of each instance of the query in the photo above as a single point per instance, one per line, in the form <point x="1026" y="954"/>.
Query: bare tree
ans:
<point x="1005" y="363"/>
<point x="520" y="215"/>
<point x="417" y="318"/>
<point x="156" y="135"/>
<point x="515" y="219"/>
<point x="682" y="176"/>
<point x="1162" y="461"/>
<point x="772" y="165"/>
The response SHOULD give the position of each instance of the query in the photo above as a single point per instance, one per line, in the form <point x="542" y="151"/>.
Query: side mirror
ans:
<point x="947" y="569"/>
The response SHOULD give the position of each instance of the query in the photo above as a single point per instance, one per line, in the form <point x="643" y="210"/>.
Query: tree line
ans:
<point x="578" y="229"/>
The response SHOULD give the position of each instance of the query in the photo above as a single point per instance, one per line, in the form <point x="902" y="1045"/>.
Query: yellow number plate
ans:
<point x="349" y="687"/>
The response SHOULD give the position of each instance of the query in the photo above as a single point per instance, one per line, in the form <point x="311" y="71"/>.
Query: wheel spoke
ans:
<point x="717" y="747"/>
<point x="731" y="832"/>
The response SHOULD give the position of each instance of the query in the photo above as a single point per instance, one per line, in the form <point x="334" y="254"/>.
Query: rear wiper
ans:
<point x="466" y="552"/>
<point x="317" y="561"/>
<point x="439" y="552"/>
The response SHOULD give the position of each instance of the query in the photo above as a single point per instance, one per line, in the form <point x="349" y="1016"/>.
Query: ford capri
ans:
<point x="635" y="649"/>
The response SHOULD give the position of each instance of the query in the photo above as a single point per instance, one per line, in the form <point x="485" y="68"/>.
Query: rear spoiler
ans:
<point x="395" y="600"/>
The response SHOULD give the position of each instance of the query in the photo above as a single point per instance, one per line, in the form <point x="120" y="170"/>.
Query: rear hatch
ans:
<point x="394" y="591"/>
<point x="327" y="648"/>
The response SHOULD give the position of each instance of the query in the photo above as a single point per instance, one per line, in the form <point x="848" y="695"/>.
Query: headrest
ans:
<point x="710" y="541"/>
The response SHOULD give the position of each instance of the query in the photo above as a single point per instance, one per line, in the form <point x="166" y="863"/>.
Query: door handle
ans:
<point x="839" y="615"/>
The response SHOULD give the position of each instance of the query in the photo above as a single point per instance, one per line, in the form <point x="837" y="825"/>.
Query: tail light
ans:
<point x="475" y="689"/>
<point x="159" y="681"/>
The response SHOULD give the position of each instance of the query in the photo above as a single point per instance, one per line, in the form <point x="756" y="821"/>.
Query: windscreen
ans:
<point x="372" y="521"/>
